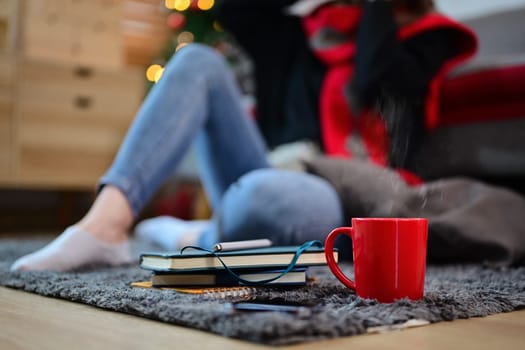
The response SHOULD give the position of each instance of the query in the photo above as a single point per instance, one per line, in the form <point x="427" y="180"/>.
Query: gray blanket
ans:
<point x="451" y="292"/>
<point x="469" y="221"/>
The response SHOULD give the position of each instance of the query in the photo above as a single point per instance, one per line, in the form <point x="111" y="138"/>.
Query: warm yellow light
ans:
<point x="169" y="4"/>
<point x="152" y="71"/>
<point x="185" y="38"/>
<point x="181" y="5"/>
<point x="158" y="75"/>
<point x="217" y="26"/>
<point x="205" y="4"/>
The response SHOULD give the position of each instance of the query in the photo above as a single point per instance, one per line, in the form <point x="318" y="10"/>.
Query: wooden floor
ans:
<point x="29" y="321"/>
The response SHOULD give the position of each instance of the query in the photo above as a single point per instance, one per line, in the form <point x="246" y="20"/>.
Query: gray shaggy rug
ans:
<point x="451" y="292"/>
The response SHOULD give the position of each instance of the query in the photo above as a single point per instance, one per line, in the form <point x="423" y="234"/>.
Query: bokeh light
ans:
<point x="205" y="5"/>
<point x="179" y="5"/>
<point x="152" y="71"/>
<point x="158" y="75"/>
<point x="182" y="5"/>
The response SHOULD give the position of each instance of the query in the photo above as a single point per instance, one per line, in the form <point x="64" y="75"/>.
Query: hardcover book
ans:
<point x="270" y="257"/>
<point x="295" y="277"/>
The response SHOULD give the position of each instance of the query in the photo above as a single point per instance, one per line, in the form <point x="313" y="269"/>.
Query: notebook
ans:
<point x="278" y="257"/>
<point x="295" y="277"/>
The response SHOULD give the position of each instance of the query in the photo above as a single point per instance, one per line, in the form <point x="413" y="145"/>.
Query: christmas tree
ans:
<point x="190" y="21"/>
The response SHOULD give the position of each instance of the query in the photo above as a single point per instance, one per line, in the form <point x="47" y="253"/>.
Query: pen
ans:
<point x="238" y="245"/>
<point x="247" y="306"/>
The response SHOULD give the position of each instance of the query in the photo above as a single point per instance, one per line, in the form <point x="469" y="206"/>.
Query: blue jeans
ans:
<point x="198" y="101"/>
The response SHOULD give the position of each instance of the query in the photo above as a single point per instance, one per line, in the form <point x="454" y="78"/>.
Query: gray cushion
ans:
<point x="468" y="220"/>
<point x="485" y="149"/>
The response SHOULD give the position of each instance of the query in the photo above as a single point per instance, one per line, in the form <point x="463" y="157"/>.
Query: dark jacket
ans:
<point x="289" y="77"/>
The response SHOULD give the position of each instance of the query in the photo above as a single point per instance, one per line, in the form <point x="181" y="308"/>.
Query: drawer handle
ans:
<point x="83" y="72"/>
<point x="83" y="102"/>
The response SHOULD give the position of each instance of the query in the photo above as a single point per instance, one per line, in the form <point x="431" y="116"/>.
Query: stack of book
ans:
<point x="199" y="268"/>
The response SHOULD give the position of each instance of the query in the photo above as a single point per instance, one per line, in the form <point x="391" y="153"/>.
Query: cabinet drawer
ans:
<point x="5" y="145"/>
<point x="7" y="69"/>
<point x="45" y="167"/>
<point x="4" y="8"/>
<point x="73" y="31"/>
<point x="70" y="122"/>
<point x="48" y="92"/>
<point x="8" y="26"/>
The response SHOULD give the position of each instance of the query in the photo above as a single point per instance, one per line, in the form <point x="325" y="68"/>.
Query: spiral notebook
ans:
<point x="239" y="292"/>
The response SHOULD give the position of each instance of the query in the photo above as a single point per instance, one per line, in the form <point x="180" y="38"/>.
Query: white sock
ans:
<point x="74" y="248"/>
<point x="170" y="233"/>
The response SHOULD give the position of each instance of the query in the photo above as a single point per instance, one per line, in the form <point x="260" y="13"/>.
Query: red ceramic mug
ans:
<point x="389" y="257"/>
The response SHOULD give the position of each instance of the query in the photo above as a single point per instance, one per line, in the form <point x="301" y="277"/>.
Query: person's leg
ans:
<point x="196" y="96"/>
<point x="198" y="99"/>
<point x="288" y="207"/>
<point x="228" y="147"/>
<point x="171" y="233"/>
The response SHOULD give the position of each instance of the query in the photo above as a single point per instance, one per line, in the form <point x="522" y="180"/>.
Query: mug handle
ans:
<point x="329" y="254"/>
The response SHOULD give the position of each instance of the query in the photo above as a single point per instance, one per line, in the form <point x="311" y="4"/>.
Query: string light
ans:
<point x="179" y="5"/>
<point x="152" y="71"/>
<point x="205" y="5"/>
<point x="158" y="75"/>
<point x="155" y="71"/>
<point x="169" y="4"/>
<point x="182" y="5"/>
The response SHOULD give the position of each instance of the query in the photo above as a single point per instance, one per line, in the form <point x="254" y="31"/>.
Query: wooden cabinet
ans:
<point x="71" y="81"/>
<point x="69" y="121"/>
<point x="85" y="32"/>
<point x="8" y="22"/>
<point x="6" y="123"/>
